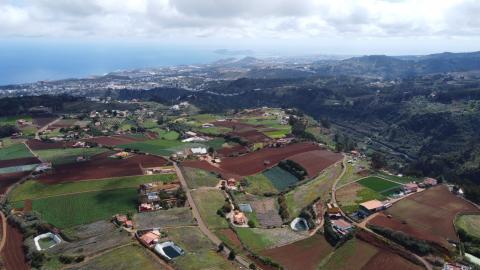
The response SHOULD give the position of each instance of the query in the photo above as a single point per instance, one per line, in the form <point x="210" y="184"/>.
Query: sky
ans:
<point x="260" y="27"/>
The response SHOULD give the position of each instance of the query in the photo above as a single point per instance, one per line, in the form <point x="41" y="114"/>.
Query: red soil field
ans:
<point x="114" y="140"/>
<point x="232" y="151"/>
<point x="235" y="125"/>
<point x="232" y="237"/>
<point x="43" y="120"/>
<point x="387" y="260"/>
<point x="204" y="165"/>
<point x="254" y="162"/>
<point x="7" y="180"/>
<point x="12" y="253"/>
<point x="302" y="255"/>
<point x="19" y="162"/>
<point x="43" y="145"/>
<point x="432" y="210"/>
<point x="396" y="225"/>
<point x="251" y="136"/>
<point x="316" y="161"/>
<point x="101" y="166"/>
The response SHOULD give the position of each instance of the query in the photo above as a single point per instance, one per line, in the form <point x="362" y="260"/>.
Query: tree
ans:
<point x="232" y="255"/>
<point x="251" y="224"/>
<point x="378" y="160"/>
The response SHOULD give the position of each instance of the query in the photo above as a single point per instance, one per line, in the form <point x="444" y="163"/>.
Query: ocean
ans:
<point x="25" y="61"/>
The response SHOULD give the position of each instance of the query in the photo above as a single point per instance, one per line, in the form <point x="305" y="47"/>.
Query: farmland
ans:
<point x="14" y="151"/>
<point x="9" y="179"/>
<point x="316" y="161"/>
<point x="200" y="253"/>
<point x="435" y="211"/>
<point x="280" y="178"/>
<point x="259" y="184"/>
<point x="33" y="189"/>
<point x="208" y="202"/>
<point x="115" y="140"/>
<point x="124" y="258"/>
<point x="67" y="155"/>
<point x="350" y="196"/>
<point x="82" y="208"/>
<point x="302" y="255"/>
<point x="469" y="223"/>
<point x="199" y="178"/>
<point x="161" y="147"/>
<point x="305" y="194"/>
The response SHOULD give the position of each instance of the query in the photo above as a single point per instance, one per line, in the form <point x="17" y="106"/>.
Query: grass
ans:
<point x="199" y="251"/>
<point x="199" y="178"/>
<point x="67" y="155"/>
<point x="349" y="197"/>
<point x="167" y="135"/>
<point x="378" y="184"/>
<point x="215" y="143"/>
<point x="161" y="147"/>
<point x="470" y="224"/>
<point x="83" y="208"/>
<point x="33" y="189"/>
<point x="304" y="195"/>
<point x="275" y="134"/>
<point x="21" y="168"/>
<point x="259" y="184"/>
<point x="280" y="178"/>
<point x="403" y="179"/>
<point x="353" y="255"/>
<point x="208" y="202"/>
<point x="254" y="241"/>
<point x="125" y="258"/>
<point x="12" y="120"/>
<point x="364" y="195"/>
<point x="14" y="151"/>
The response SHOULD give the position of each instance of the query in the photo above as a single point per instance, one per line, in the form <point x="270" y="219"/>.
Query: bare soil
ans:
<point x="12" y="253"/>
<point x="19" y="162"/>
<point x="316" y="161"/>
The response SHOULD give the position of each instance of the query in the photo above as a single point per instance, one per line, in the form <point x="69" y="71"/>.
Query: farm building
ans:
<point x="157" y="195"/>
<point x="372" y="206"/>
<point x="341" y="226"/>
<point x="239" y="218"/>
<point x="410" y="187"/>
<point x="149" y="238"/>
<point x="333" y="210"/>
<point x="430" y="182"/>
<point x="122" y="220"/>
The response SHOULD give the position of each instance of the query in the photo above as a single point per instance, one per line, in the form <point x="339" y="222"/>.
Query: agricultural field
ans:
<point x="12" y="120"/>
<point x="230" y="238"/>
<point x="6" y="180"/>
<point x="435" y="211"/>
<point x="350" y="196"/>
<point x="14" y="151"/>
<point x="359" y="255"/>
<point x="33" y="189"/>
<point x="253" y="239"/>
<point x="382" y="186"/>
<point x="124" y="258"/>
<point x="167" y="135"/>
<point x="67" y="155"/>
<point x="305" y="194"/>
<point x="178" y="216"/>
<point x="161" y="147"/>
<point x="470" y="224"/>
<point x="208" y="202"/>
<point x="70" y="210"/>
<point x="200" y="253"/>
<point x="316" y="161"/>
<point x="199" y="178"/>
<point x="259" y="184"/>
<point x="398" y="179"/>
<point x="353" y="172"/>
<point x="280" y="178"/>
<point x="301" y="255"/>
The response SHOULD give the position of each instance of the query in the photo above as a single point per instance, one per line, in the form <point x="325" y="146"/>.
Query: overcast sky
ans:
<point x="284" y="26"/>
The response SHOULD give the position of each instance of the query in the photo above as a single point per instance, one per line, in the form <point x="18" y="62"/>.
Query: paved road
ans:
<point x="201" y="224"/>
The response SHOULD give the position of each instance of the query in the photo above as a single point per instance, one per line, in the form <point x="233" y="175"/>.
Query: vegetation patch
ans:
<point x="33" y="189"/>
<point x="470" y="224"/>
<point x="199" y="178"/>
<point x="67" y="155"/>
<point x="259" y="184"/>
<point x="380" y="185"/>
<point x="253" y="240"/>
<point x="350" y="196"/>
<point x="280" y="178"/>
<point x="209" y="201"/>
<point x="14" y="151"/>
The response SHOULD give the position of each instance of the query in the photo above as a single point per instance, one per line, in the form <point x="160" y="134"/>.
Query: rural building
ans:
<point x="410" y="187"/>
<point x="430" y="182"/>
<point x="122" y="220"/>
<point x="157" y="195"/>
<point x="149" y="238"/>
<point x="455" y="266"/>
<point x="333" y="211"/>
<point x="341" y="226"/>
<point x="239" y="218"/>
<point x="372" y="206"/>
<point x="198" y="151"/>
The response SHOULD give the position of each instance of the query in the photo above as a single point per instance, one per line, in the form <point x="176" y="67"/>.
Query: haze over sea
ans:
<point x="22" y="62"/>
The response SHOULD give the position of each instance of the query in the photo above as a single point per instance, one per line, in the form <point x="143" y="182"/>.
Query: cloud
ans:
<point x="179" y="19"/>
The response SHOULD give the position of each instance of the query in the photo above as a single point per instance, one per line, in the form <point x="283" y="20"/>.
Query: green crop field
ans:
<point x="160" y="146"/>
<point x="253" y="240"/>
<point x="167" y="135"/>
<point x="395" y="178"/>
<point x="200" y="253"/>
<point x="208" y="202"/>
<point x="259" y="184"/>
<point x="380" y="185"/>
<point x="33" y="189"/>
<point x="67" y="155"/>
<point x="470" y="224"/>
<point x="14" y="151"/>
<point x="275" y="134"/>
<point x="199" y="178"/>
<point x="12" y="120"/>
<point x="280" y="178"/>
<point x="83" y="208"/>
